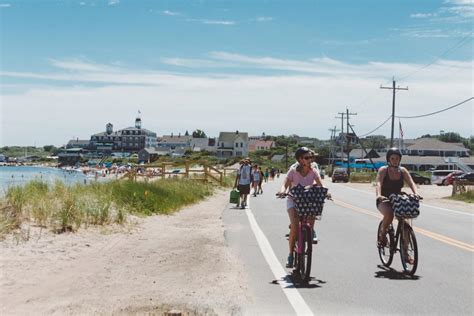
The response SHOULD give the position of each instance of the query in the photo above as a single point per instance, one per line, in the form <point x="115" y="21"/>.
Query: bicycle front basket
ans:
<point x="404" y="205"/>
<point x="309" y="202"/>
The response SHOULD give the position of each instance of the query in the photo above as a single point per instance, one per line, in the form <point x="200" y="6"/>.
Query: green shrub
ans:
<point x="362" y="177"/>
<point x="467" y="196"/>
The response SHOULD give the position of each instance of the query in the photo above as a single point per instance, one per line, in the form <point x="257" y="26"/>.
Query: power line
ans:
<point x="455" y="46"/>
<point x="428" y="114"/>
<point x="366" y="134"/>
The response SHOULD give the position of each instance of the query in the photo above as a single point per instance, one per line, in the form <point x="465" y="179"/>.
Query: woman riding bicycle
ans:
<point x="304" y="175"/>
<point x="390" y="180"/>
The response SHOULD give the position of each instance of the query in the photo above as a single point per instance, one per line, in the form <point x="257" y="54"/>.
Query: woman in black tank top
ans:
<point x="390" y="180"/>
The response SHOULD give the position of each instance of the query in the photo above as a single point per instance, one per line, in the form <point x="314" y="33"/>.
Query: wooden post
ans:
<point x="453" y="193"/>
<point x="187" y="169"/>
<point x="163" y="170"/>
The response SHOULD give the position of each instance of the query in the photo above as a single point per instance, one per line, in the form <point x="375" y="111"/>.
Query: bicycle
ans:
<point x="405" y="237"/>
<point x="303" y="250"/>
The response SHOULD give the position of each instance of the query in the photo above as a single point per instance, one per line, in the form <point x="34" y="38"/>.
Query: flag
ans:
<point x="401" y="130"/>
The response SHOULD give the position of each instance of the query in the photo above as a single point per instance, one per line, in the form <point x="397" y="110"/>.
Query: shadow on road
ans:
<point x="392" y="274"/>
<point x="296" y="283"/>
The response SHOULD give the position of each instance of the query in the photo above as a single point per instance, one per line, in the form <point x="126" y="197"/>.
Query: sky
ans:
<point x="67" y="68"/>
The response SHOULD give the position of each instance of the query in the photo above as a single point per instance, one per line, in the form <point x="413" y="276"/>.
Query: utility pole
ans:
<point x="393" y="88"/>
<point x="333" y="145"/>
<point x="342" y="134"/>
<point x="347" y="129"/>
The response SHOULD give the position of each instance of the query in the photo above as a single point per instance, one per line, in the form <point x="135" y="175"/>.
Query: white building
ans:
<point x="232" y="144"/>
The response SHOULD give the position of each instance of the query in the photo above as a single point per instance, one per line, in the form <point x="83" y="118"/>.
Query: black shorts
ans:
<point x="244" y="188"/>
<point x="377" y="202"/>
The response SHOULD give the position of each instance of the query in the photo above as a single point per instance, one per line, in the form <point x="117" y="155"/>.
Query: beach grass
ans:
<point x="68" y="208"/>
<point x="467" y="196"/>
<point x="362" y="177"/>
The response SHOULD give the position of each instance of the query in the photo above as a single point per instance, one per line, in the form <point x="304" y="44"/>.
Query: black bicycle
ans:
<point x="405" y="238"/>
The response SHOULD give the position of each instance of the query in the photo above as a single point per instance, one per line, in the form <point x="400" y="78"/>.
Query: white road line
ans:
<point x="294" y="297"/>
<point x="424" y="204"/>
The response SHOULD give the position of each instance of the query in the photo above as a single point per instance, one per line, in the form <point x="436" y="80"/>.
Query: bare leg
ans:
<point x="293" y="229"/>
<point x="386" y="209"/>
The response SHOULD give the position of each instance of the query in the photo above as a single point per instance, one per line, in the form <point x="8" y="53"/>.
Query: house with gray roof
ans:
<point x="232" y="144"/>
<point x="435" y="147"/>
<point x="175" y="141"/>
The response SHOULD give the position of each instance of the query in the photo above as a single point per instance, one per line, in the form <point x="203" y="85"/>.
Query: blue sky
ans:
<point x="279" y="67"/>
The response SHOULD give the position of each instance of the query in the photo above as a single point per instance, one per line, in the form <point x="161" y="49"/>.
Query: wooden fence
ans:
<point x="194" y="171"/>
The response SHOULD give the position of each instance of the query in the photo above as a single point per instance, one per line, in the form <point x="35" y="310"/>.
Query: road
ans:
<point x="347" y="275"/>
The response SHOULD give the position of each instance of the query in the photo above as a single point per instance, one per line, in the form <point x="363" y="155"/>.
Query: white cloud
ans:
<point x="422" y="15"/>
<point x="460" y="2"/>
<point x="218" y="22"/>
<point x="264" y="19"/>
<point x="218" y="102"/>
<point x="113" y="2"/>
<point x="170" y="13"/>
<point x="5" y="5"/>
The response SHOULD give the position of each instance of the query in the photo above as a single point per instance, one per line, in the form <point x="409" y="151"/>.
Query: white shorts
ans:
<point x="290" y="203"/>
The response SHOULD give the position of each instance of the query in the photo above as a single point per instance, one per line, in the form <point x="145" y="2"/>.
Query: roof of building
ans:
<point x="175" y="139"/>
<point x="254" y="144"/>
<point x="231" y="136"/>
<point x="78" y="142"/>
<point x="435" y="144"/>
<point x="156" y="151"/>
<point x="119" y="132"/>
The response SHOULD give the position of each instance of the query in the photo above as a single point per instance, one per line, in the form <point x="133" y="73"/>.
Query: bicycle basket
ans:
<point x="404" y="205"/>
<point x="309" y="202"/>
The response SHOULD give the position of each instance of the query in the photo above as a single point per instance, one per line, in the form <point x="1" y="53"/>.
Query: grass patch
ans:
<point x="467" y="196"/>
<point x="362" y="177"/>
<point x="67" y="208"/>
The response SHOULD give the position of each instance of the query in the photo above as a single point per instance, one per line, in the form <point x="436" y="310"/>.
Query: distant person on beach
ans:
<point x="255" y="179"/>
<point x="260" y="190"/>
<point x="243" y="181"/>
<point x="266" y="174"/>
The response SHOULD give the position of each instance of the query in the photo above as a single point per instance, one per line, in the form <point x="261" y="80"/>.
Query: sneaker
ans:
<point x="289" y="263"/>
<point x="315" y="238"/>
<point x="243" y="205"/>
<point x="238" y="205"/>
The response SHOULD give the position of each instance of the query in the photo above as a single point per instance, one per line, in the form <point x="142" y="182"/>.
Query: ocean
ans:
<point x="19" y="175"/>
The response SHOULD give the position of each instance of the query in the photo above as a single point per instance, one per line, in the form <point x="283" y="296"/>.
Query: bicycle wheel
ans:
<point x="386" y="251"/>
<point x="304" y="258"/>
<point x="408" y="249"/>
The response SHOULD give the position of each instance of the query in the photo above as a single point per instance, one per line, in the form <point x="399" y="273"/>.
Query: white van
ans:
<point x="437" y="176"/>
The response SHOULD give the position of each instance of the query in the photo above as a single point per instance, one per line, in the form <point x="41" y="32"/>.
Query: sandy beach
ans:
<point x="151" y="265"/>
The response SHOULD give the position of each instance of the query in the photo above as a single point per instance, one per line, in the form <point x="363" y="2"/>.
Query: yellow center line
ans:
<point x="433" y="235"/>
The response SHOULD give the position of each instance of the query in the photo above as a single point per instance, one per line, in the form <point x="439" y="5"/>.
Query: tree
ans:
<point x="450" y="137"/>
<point x="49" y="148"/>
<point x="187" y="133"/>
<point x="199" y="134"/>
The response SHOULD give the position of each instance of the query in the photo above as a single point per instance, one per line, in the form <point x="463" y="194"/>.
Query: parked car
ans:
<point x="340" y="174"/>
<point x="419" y="179"/>
<point x="437" y="176"/>
<point x="450" y="177"/>
<point x="466" y="177"/>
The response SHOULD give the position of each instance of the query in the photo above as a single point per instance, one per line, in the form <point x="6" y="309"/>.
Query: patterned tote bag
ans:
<point x="309" y="201"/>
<point x="405" y="205"/>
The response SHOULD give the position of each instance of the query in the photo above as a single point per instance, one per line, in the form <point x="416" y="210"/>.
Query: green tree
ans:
<point x="49" y="148"/>
<point x="199" y="134"/>
<point x="450" y="137"/>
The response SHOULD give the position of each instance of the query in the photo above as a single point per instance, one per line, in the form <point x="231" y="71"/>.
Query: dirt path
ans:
<point x="160" y="263"/>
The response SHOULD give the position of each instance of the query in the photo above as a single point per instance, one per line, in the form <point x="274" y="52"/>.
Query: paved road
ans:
<point x="347" y="276"/>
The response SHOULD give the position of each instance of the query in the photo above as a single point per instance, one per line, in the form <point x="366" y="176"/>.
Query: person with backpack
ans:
<point x="243" y="181"/>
